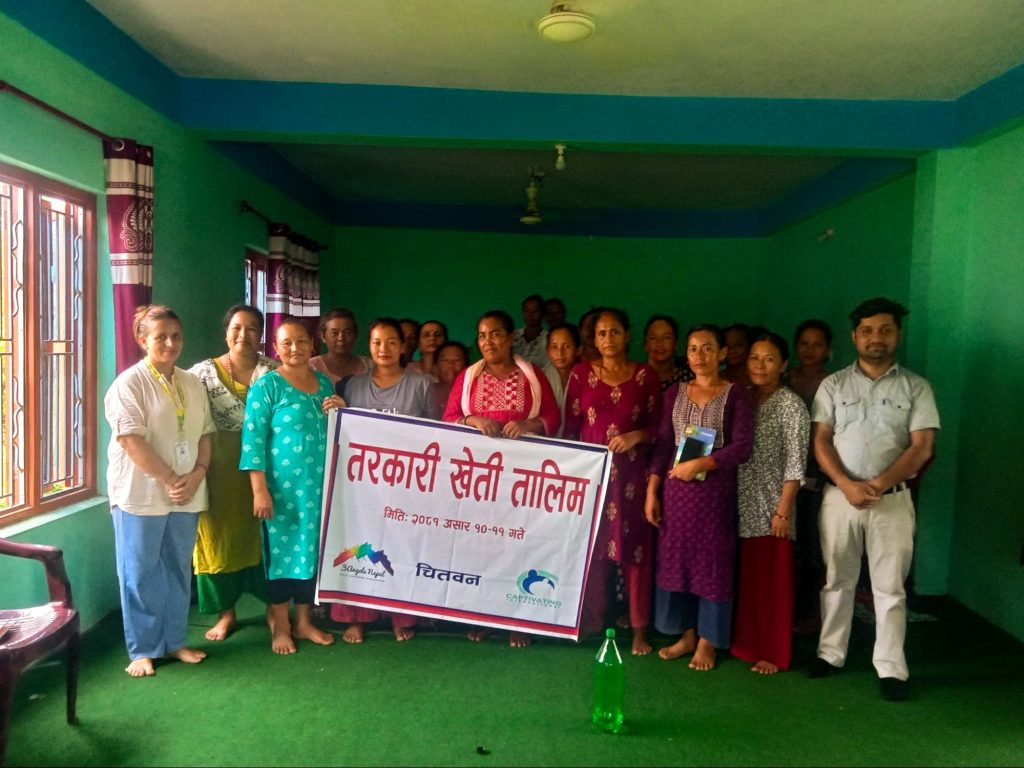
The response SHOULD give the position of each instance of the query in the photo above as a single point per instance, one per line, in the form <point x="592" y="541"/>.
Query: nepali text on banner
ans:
<point x="438" y="520"/>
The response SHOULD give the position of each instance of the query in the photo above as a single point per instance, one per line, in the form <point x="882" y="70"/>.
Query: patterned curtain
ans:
<point x="129" y="172"/>
<point x="311" y="287"/>
<point x="293" y="280"/>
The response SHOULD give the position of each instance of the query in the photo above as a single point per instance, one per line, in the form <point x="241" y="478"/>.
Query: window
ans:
<point x="47" y="344"/>
<point x="256" y="285"/>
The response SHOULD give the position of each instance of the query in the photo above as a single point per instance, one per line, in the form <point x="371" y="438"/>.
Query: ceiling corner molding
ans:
<point x="991" y="107"/>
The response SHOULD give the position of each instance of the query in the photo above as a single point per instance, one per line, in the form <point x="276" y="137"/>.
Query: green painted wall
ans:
<point x="986" y="572"/>
<point x="199" y="242"/>
<point x="455" y="276"/>
<point x="776" y="281"/>
<point x="937" y="272"/>
<point x="867" y="255"/>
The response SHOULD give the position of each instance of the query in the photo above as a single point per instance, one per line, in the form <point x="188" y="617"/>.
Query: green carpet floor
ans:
<point x="436" y="699"/>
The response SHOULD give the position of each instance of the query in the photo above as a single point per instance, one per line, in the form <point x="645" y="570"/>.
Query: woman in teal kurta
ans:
<point x="284" y="442"/>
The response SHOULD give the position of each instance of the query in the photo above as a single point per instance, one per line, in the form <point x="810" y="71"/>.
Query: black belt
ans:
<point x="894" y="489"/>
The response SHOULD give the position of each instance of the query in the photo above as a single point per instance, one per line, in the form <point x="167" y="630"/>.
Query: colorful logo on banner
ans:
<point x="364" y="552"/>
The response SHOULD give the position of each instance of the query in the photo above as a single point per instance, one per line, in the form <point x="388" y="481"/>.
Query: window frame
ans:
<point x="255" y="267"/>
<point x="35" y="503"/>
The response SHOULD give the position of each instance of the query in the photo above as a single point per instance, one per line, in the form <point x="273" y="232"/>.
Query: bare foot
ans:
<point x="281" y="641"/>
<point x="641" y="647"/>
<point x="305" y="631"/>
<point x="188" y="655"/>
<point x="684" y="646"/>
<point x="224" y="627"/>
<point x="704" y="657"/>
<point x="518" y="640"/>
<point x="353" y="633"/>
<point x="764" y="668"/>
<point x="404" y="633"/>
<point x="478" y="635"/>
<point x="141" y="668"/>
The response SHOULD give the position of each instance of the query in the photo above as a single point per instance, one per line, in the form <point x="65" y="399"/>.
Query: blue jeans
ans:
<point x="154" y="571"/>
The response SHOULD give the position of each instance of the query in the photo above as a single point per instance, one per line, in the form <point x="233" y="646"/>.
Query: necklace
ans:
<point x="234" y="384"/>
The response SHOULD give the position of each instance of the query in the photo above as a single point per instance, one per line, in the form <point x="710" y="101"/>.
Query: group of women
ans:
<point x="254" y="430"/>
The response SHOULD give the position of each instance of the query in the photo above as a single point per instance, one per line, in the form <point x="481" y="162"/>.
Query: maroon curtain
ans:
<point x="277" y="290"/>
<point x="293" y="281"/>
<point x="129" y="171"/>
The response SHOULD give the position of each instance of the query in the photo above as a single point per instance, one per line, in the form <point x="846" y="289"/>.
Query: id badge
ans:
<point x="182" y="455"/>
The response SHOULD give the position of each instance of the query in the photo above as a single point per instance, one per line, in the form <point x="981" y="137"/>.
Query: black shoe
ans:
<point x="893" y="689"/>
<point x="819" y="668"/>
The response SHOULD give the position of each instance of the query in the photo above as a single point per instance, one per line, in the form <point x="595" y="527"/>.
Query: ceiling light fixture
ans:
<point x="532" y="215"/>
<point x="564" y="25"/>
<point x="560" y="160"/>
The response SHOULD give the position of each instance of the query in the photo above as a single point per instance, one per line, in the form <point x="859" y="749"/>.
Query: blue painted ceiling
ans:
<point x="416" y="147"/>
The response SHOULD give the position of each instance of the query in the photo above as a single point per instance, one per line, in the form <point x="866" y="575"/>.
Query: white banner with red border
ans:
<point x="437" y="520"/>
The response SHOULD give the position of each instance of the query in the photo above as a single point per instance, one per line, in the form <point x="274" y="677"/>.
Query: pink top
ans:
<point x="504" y="400"/>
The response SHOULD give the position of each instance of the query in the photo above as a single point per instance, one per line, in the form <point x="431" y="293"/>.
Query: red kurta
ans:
<point x="504" y="400"/>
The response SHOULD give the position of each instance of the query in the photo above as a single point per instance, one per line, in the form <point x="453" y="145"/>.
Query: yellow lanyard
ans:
<point x="179" y="404"/>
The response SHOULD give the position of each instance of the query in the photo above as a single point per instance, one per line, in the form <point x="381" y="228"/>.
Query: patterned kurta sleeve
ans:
<point x="209" y="426"/>
<point x="650" y="405"/>
<point x="259" y="407"/>
<point x="739" y="436"/>
<point x="665" y="443"/>
<point x="574" y="402"/>
<point x="796" y="432"/>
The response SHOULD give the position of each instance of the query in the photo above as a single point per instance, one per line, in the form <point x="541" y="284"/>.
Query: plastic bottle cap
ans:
<point x="609" y="633"/>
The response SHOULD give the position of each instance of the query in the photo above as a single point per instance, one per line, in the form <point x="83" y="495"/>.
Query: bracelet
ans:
<point x="204" y="466"/>
<point x="782" y="517"/>
<point x="465" y="421"/>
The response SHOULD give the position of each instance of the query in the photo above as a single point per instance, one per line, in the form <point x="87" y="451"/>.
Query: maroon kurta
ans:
<point x="697" y="538"/>
<point x="596" y="412"/>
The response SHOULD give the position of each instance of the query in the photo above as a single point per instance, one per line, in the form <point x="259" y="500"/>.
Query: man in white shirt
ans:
<point x="874" y="428"/>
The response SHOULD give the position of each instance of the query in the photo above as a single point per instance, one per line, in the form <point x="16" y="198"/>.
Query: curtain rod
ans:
<point x="245" y="207"/>
<point x="15" y="91"/>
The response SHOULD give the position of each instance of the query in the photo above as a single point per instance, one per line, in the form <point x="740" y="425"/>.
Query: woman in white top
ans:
<point x="768" y="485"/>
<point x="159" y="452"/>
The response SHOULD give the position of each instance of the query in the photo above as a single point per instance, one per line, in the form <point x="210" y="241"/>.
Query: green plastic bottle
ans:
<point x="609" y="685"/>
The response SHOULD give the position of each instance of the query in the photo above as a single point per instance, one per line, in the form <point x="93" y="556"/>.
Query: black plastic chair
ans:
<point x="29" y="634"/>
